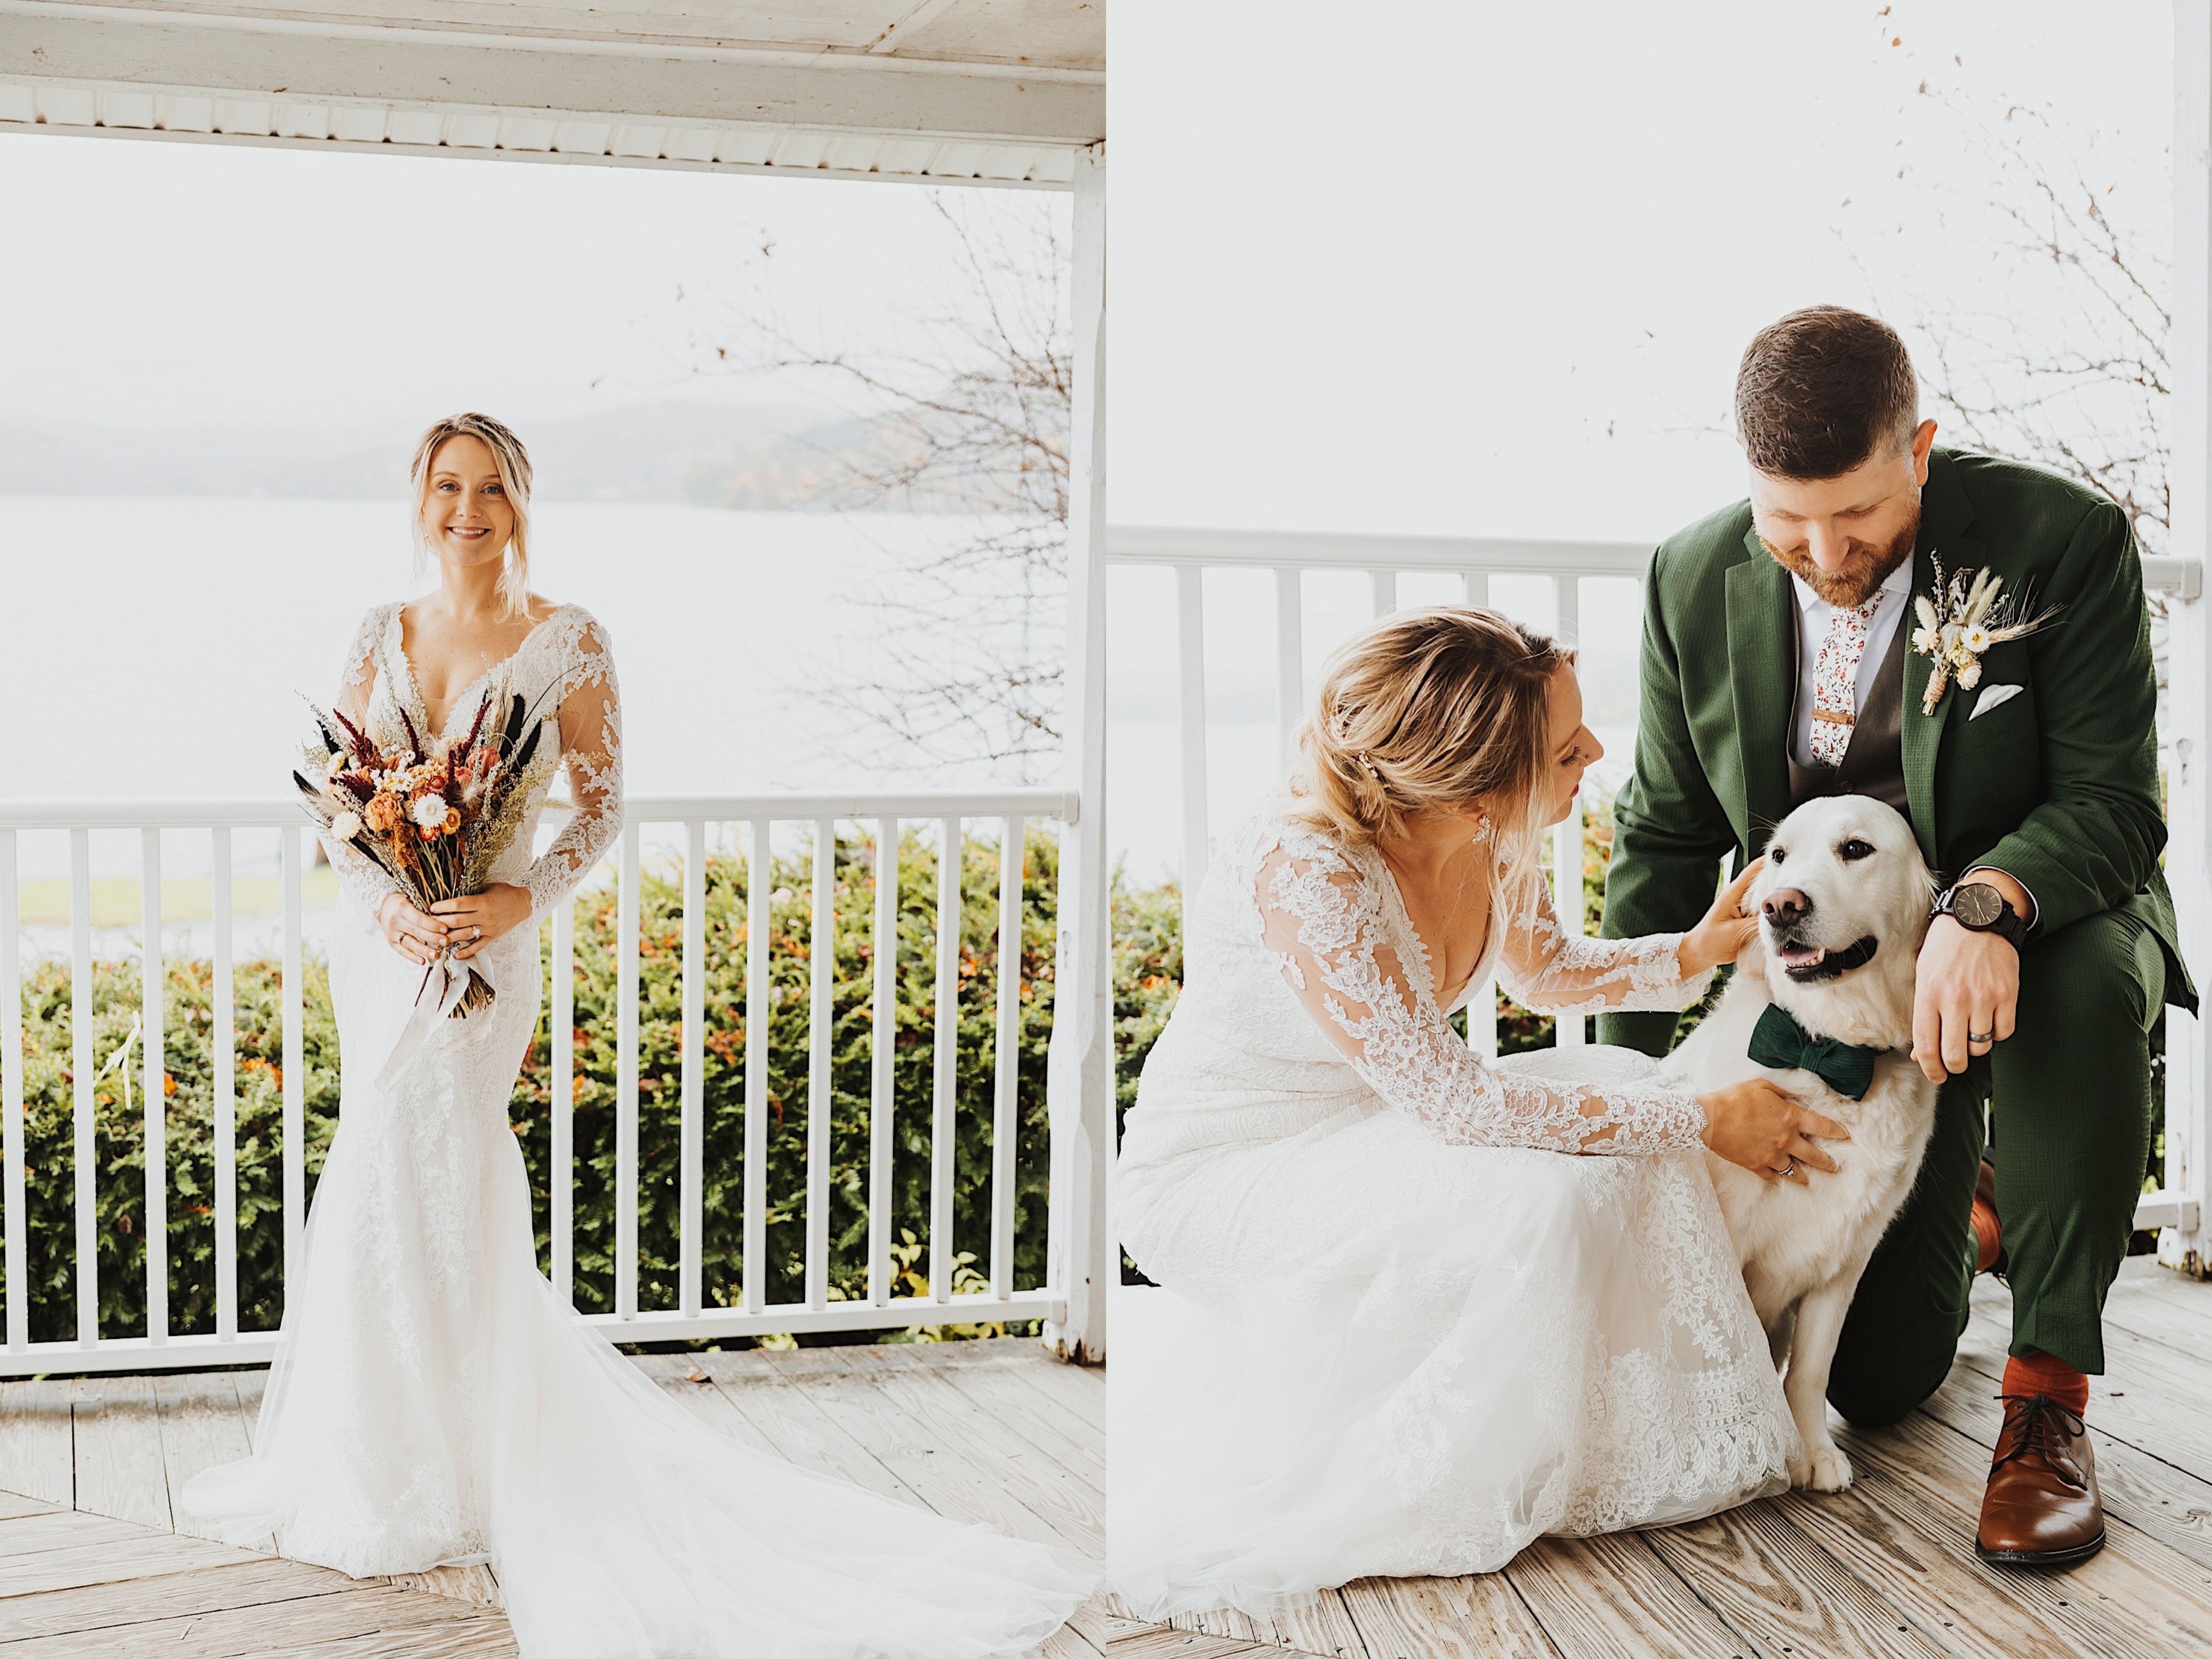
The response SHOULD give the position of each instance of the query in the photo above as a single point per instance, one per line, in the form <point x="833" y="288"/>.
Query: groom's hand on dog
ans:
<point x="1766" y="1131"/>
<point x="1968" y="988"/>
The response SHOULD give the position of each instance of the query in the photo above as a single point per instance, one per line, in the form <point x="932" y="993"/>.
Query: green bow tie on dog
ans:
<point x="1780" y="1042"/>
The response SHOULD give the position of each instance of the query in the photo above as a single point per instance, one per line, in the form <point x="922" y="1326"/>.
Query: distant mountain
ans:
<point x="759" y="456"/>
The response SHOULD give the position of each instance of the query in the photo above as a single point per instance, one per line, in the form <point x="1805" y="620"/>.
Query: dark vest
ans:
<point x="1874" y="764"/>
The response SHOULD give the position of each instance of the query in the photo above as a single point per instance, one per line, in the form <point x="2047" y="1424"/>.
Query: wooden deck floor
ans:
<point x="1886" y="1569"/>
<point x="89" y="1470"/>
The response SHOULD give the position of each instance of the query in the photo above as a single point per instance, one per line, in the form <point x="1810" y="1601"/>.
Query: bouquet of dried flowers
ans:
<point x="433" y="818"/>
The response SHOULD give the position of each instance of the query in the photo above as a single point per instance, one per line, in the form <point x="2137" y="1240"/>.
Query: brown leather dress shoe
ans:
<point x="2041" y="1509"/>
<point x="1985" y="1196"/>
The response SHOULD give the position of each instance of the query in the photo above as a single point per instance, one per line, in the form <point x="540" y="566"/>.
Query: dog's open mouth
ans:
<point x="1811" y="962"/>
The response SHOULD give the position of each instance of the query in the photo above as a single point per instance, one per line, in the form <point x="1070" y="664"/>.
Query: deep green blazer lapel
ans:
<point x="1762" y="624"/>
<point x="1946" y="514"/>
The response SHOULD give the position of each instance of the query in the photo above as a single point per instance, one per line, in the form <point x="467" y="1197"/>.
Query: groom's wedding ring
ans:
<point x="1981" y="1037"/>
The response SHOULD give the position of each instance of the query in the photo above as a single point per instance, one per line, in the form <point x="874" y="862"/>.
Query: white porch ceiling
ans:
<point x="980" y="91"/>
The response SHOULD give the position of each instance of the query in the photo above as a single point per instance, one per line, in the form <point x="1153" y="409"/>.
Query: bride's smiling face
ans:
<point x="467" y="519"/>
<point x="1574" y="747"/>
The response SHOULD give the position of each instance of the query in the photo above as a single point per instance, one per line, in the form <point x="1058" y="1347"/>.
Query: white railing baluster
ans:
<point x="561" y="1054"/>
<point x="296" y="1062"/>
<point x="1382" y="590"/>
<point x="689" y="1314"/>
<point x="882" y="1050"/>
<point x="759" y="878"/>
<point x="1005" y="1103"/>
<point x="691" y="1130"/>
<point x="11" y="1095"/>
<point x="1190" y="660"/>
<point x="224" y="1039"/>
<point x="1290" y="661"/>
<point x="944" y="1128"/>
<point x="822" y="960"/>
<point x="81" y="1060"/>
<point x="626" y="1079"/>
<point x="1474" y="589"/>
<point x="154" y="1055"/>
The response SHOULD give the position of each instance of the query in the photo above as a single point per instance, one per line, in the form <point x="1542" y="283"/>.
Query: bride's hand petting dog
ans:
<point x="1822" y="1006"/>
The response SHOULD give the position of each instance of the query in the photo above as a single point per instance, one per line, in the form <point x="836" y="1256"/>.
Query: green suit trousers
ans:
<point x="2065" y="1105"/>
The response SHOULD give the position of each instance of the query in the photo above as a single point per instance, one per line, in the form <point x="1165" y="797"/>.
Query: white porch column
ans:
<point x="2188" y="1245"/>
<point x="1079" y="1087"/>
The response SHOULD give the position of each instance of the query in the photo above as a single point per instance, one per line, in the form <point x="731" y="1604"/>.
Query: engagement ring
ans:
<point x="1789" y="1169"/>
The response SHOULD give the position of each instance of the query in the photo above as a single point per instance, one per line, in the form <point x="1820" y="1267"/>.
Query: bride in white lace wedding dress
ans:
<point x="1422" y="1322"/>
<point x="432" y="1401"/>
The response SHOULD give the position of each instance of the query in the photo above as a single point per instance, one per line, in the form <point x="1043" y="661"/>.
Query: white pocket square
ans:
<point x="1993" y="696"/>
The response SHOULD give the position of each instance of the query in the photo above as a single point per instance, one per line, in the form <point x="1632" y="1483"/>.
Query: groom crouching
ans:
<point x="1784" y="657"/>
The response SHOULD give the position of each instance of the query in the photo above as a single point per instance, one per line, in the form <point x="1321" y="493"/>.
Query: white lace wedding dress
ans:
<point x="432" y="1399"/>
<point x="1430" y="1308"/>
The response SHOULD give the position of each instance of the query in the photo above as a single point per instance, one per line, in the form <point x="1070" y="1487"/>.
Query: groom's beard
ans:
<point x="1864" y="569"/>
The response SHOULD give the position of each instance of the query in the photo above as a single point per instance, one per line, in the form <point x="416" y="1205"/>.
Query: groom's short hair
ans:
<point x="1820" y="390"/>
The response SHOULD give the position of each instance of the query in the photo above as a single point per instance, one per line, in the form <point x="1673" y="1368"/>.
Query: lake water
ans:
<point x="161" y="648"/>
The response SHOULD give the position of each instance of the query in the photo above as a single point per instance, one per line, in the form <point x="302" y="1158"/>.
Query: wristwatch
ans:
<point x="1978" y="906"/>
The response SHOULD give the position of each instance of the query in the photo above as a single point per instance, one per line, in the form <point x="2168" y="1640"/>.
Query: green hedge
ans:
<point x="189" y="1116"/>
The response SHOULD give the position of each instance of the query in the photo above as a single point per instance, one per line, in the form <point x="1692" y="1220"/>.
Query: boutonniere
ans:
<point x="1961" y="618"/>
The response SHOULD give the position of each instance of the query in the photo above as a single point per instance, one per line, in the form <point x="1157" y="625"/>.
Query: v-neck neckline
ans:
<point x="406" y="665"/>
<point x="1425" y="961"/>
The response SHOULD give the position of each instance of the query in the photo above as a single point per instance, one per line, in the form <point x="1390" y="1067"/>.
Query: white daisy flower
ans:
<point x="1976" y="638"/>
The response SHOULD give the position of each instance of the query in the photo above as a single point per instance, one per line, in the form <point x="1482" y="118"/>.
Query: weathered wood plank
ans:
<point x="1770" y="1579"/>
<point x="118" y="1450"/>
<point x="703" y="1400"/>
<point x="15" y="1504"/>
<point x="352" y="1612"/>
<point x="1613" y="1598"/>
<point x="37" y="1454"/>
<point x="2170" y="1504"/>
<point x="786" y="1414"/>
<point x="1229" y="1622"/>
<point x="1002" y="1393"/>
<point x="201" y="1428"/>
<point x="476" y="1585"/>
<point x="1072" y="1502"/>
<point x="1322" y="1626"/>
<point x="482" y="1637"/>
<point x="2135" y="1587"/>
<point x="58" y="1529"/>
<point x="1476" y="1617"/>
<point x="191" y="1587"/>
<point x="110" y="1561"/>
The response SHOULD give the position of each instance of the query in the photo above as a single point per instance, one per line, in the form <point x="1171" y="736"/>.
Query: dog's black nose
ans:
<point x="1786" y="906"/>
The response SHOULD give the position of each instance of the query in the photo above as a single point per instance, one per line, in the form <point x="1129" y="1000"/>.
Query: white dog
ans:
<point x="1844" y="903"/>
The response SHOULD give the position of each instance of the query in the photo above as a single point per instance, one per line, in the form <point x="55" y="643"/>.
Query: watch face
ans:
<point x="1977" y="905"/>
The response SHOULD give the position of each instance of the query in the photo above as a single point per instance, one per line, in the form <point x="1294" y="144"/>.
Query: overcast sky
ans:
<point x="182" y="283"/>
<point x="1464" y="269"/>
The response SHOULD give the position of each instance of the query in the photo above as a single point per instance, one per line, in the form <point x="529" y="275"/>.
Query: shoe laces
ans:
<point x="2038" y="1418"/>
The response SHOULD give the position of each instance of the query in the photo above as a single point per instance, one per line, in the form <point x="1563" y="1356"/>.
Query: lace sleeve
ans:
<point x="1323" y="920"/>
<point x="362" y="878"/>
<point x="1545" y="968"/>
<point x="591" y="748"/>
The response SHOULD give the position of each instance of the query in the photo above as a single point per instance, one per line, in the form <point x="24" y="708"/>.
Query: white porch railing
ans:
<point x="2180" y="1209"/>
<point x="1006" y="811"/>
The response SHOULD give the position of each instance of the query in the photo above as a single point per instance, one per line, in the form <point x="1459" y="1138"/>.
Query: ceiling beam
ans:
<point x="628" y="82"/>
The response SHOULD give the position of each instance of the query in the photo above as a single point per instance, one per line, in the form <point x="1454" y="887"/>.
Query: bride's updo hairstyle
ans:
<point x="1428" y="711"/>
<point x="513" y="463"/>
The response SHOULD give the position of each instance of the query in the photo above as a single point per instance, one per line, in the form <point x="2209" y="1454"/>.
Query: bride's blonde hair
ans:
<point x="513" y="463"/>
<point x="1434" y="710"/>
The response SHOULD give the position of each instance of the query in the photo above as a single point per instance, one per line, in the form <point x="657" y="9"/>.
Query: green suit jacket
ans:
<point x="2058" y="787"/>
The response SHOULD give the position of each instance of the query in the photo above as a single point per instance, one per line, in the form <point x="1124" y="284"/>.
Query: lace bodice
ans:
<point x="1308" y="991"/>
<point x="567" y="658"/>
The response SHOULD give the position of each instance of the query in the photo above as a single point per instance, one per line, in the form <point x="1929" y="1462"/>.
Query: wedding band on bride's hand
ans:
<point x="1786" y="1171"/>
<point x="475" y="933"/>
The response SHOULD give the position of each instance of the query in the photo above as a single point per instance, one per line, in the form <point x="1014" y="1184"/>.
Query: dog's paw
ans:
<point x="1822" y="1468"/>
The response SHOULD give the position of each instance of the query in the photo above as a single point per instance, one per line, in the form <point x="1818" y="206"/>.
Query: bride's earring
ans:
<point x="1482" y="827"/>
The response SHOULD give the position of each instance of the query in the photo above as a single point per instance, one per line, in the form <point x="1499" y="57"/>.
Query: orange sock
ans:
<point x="1986" y="1240"/>
<point x="2045" y="1373"/>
